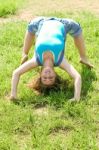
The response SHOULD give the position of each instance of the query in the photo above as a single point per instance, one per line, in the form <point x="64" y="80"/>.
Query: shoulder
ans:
<point x="63" y="63"/>
<point x="66" y="66"/>
<point x="37" y="19"/>
<point x="36" y="60"/>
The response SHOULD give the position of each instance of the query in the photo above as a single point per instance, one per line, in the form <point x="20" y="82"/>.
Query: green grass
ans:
<point x="9" y="7"/>
<point x="49" y="122"/>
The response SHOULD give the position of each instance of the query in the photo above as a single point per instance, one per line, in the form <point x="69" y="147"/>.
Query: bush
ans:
<point x="9" y="7"/>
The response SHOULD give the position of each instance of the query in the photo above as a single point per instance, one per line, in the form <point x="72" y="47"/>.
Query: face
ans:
<point x="48" y="76"/>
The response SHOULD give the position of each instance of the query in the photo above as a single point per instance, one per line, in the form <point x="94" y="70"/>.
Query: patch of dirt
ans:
<point x="22" y="141"/>
<point x="63" y="134"/>
<point x="42" y="7"/>
<point x="37" y="8"/>
<point x="41" y="111"/>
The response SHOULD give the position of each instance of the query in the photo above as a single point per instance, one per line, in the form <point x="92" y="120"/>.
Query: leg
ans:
<point x="79" y="43"/>
<point x="17" y="73"/>
<point x="28" y="42"/>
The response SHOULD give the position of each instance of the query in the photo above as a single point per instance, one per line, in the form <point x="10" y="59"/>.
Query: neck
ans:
<point x="48" y="63"/>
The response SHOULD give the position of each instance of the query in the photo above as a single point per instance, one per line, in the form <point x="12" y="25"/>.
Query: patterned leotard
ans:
<point x="50" y="38"/>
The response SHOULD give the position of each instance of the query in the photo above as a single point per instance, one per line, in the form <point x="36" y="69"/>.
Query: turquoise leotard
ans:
<point x="50" y="38"/>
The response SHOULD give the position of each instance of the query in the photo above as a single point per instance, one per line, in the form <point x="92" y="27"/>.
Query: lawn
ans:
<point x="49" y="122"/>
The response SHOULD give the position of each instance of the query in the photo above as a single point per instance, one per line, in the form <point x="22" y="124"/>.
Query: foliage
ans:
<point x="9" y="7"/>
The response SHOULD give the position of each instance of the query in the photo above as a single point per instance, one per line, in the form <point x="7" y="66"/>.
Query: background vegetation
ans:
<point x="9" y="7"/>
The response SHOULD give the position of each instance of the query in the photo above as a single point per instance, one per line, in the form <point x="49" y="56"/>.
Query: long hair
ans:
<point x="38" y="87"/>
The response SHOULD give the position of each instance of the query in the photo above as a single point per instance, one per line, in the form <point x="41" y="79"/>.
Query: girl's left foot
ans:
<point x="86" y="62"/>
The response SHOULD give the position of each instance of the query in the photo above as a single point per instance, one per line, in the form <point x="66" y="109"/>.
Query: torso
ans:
<point x="50" y="39"/>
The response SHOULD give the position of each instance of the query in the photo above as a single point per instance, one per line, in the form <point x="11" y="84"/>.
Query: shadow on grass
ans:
<point x="88" y="76"/>
<point x="54" y="97"/>
<point x="59" y="96"/>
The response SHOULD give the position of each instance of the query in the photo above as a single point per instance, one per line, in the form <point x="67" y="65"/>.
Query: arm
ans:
<point x="75" y="75"/>
<point x="17" y="73"/>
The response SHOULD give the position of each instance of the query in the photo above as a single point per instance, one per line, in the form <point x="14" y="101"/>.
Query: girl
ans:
<point x="50" y="36"/>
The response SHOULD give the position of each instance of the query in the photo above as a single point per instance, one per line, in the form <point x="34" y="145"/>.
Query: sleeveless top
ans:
<point x="51" y="38"/>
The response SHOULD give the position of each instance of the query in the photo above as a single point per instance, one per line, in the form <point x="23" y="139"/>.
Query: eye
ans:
<point x="50" y="77"/>
<point x="44" y="78"/>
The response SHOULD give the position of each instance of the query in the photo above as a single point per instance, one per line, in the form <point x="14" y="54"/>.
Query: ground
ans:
<point x="31" y="10"/>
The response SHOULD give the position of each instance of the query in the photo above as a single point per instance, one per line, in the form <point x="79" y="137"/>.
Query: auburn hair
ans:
<point x="36" y="85"/>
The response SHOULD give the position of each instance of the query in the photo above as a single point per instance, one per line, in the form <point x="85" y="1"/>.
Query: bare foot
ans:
<point x="86" y="62"/>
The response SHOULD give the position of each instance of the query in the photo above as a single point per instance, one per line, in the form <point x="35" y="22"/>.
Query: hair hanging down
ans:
<point x="40" y="88"/>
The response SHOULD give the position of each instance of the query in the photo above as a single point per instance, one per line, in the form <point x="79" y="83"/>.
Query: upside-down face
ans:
<point x="48" y="76"/>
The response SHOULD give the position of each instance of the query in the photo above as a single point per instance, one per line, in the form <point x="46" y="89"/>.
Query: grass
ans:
<point x="9" y="7"/>
<point x="49" y="122"/>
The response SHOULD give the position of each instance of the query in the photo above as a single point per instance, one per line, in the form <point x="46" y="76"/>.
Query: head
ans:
<point x="48" y="76"/>
<point x="38" y="87"/>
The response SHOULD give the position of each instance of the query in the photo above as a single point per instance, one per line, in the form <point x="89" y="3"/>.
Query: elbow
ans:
<point x="78" y="78"/>
<point x="15" y="73"/>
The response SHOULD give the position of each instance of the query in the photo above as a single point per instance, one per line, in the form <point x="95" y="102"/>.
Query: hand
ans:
<point x="12" y="98"/>
<point x="24" y="58"/>
<point x="73" y="100"/>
